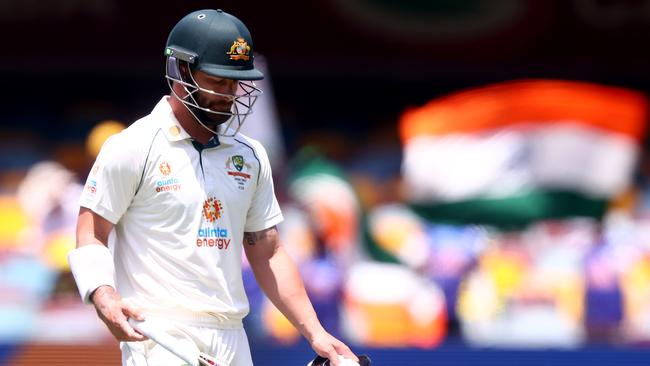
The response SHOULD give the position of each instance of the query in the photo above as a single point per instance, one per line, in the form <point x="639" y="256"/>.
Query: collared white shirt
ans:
<point x="180" y="213"/>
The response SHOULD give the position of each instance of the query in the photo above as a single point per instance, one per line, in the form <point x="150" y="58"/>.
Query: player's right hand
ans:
<point x="114" y="312"/>
<point x="329" y="347"/>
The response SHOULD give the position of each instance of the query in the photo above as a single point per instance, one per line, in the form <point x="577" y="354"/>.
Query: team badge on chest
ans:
<point x="239" y="170"/>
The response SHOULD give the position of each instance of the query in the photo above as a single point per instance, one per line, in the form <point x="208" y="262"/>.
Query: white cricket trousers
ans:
<point x="229" y="346"/>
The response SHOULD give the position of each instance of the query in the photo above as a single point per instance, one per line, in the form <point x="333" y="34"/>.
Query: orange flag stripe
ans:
<point x="530" y="103"/>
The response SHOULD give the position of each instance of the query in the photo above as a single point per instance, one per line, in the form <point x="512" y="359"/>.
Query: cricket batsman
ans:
<point x="172" y="201"/>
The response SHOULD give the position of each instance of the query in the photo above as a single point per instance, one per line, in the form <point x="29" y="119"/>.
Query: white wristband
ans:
<point x="92" y="266"/>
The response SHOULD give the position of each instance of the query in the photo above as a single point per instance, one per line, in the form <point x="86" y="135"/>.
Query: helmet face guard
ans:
<point x="220" y="45"/>
<point x="243" y="101"/>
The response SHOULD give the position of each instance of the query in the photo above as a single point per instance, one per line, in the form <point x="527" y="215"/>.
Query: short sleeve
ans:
<point x="113" y="179"/>
<point x="264" y="211"/>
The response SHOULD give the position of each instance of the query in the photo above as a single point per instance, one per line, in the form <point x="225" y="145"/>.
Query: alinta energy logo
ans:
<point x="212" y="236"/>
<point x="165" y="168"/>
<point x="91" y="183"/>
<point x="212" y="209"/>
<point x="91" y="186"/>
<point x="167" y="184"/>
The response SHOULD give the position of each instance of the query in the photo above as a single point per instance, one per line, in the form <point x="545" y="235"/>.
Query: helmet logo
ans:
<point x="239" y="50"/>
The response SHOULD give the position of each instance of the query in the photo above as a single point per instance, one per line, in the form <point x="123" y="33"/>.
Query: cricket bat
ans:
<point x="185" y="352"/>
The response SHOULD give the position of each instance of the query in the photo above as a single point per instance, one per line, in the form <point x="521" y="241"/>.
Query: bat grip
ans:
<point x="187" y="354"/>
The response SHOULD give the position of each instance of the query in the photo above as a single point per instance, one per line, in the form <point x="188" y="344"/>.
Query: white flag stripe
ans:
<point x="505" y="162"/>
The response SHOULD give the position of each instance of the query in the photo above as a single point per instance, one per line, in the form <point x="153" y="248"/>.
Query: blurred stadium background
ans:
<point x="464" y="182"/>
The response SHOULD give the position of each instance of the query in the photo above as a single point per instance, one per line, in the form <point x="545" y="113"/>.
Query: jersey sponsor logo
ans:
<point x="213" y="232"/>
<point x="209" y="236"/>
<point x="213" y="237"/>
<point x="91" y="183"/>
<point x="212" y="209"/>
<point x="91" y="186"/>
<point x="166" y="185"/>
<point x="239" y="50"/>
<point x="165" y="168"/>
<point x="239" y="173"/>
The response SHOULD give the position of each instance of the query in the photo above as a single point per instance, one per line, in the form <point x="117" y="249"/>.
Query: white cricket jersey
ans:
<point x="180" y="214"/>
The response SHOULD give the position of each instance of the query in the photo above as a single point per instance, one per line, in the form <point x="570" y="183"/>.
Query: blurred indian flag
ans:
<point x="511" y="153"/>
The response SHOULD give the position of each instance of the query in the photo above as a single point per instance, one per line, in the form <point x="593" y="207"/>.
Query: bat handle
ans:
<point x="191" y="356"/>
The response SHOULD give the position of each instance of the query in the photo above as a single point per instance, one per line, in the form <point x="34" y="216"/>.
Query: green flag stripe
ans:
<point x="514" y="211"/>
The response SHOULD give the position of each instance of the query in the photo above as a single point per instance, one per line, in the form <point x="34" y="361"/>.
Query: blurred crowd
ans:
<point x="506" y="222"/>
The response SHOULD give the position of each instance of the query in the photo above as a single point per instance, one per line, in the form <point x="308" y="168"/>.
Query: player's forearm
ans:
<point x="280" y="280"/>
<point x="91" y="262"/>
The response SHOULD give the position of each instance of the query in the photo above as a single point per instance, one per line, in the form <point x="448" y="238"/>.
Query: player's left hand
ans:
<point x="325" y="345"/>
